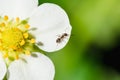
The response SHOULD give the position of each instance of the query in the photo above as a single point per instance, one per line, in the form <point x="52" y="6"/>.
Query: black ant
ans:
<point x="61" y="38"/>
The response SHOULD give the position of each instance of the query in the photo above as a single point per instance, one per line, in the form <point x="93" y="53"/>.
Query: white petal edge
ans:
<point x="17" y="8"/>
<point x="3" y="68"/>
<point x="51" y="22"/>
<point x="32" y="68"/>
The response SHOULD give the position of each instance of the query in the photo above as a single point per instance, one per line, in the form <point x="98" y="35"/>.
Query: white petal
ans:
<point x="3" y="68"/>
<point x="50" y="22"/>
<point x="17" y="8"/>
<point x="38" y="67"/>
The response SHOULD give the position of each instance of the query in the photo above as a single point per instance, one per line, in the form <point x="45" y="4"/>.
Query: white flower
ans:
<point x="24" y="24"/>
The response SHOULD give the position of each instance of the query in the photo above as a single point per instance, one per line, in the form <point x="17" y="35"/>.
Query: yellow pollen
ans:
<point x="2" y="24"/>
<point x="22" y="42"/>
<point x="27" y="26"/>
<point x="5" y="55"/>
<point x="17" y="19"/>
<point x="6" y="18"/>
<point x="32" y="41"/>
<point x="25" y="35"/>
<point x="11" y="37"/>
<point x="27" y="52"/>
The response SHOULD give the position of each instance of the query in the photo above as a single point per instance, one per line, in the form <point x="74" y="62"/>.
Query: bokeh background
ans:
<point x="93" y="51"/>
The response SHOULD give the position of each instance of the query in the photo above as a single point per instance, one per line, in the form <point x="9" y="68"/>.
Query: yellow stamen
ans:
<point x="32" y="41"/>
<point x="1" y="48"/>
<point x="16" y="29"/>
<point x="0" y="42"/>
<point x="19" y="50"/>
<point x="17" y="19"/>
<point x="16" y="57"/>
<point x="5" y="55"/>
<point x="5" y="17"/>
<point x="2" y="24"/>
<point x="25" y="35"/>
<point x="22" y="42"/>
<point x="27" y="52"/>
<point x="27" y="26"/>
<point x="13" y="47"/>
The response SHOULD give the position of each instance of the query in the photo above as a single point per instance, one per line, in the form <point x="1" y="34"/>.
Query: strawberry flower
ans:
<point x="25" y="29"/>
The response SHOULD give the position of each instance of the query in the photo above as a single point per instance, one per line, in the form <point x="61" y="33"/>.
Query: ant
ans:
<point x="61" y="38"/>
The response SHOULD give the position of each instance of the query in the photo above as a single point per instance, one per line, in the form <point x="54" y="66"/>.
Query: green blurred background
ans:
<point x="96" y="25"/>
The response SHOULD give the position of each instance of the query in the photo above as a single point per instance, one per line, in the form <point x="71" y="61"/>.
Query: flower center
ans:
<point x="11" y="38"/>
<point x="15" y="38"/>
